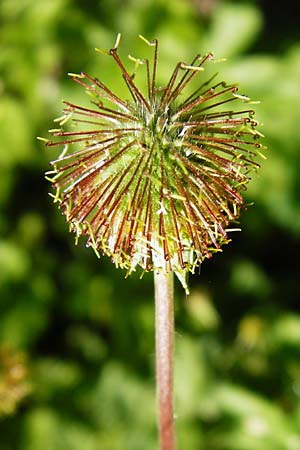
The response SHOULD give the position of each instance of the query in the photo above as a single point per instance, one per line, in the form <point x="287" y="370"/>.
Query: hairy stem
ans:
<point x="164" y="336"/>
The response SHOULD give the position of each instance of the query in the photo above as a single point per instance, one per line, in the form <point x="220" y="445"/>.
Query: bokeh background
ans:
<point x="76" y="337"/>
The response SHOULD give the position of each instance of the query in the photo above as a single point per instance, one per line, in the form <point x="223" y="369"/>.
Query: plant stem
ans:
<point x="164" y="337"/>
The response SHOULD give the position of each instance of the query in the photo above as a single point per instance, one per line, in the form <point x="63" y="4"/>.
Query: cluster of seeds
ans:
<point x="154" y="181"/>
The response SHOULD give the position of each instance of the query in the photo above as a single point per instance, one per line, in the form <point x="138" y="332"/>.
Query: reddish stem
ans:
<point x="164" y="336"/>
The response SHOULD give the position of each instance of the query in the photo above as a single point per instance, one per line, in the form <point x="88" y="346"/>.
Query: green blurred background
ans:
<point x="76" y="338"/>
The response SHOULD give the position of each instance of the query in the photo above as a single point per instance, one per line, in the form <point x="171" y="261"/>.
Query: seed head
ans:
<point x="154" y="180"/>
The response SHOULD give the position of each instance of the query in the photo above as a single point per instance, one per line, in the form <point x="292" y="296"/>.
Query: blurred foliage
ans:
<point x="76" y="339"/>
<point x="13" y="381"/>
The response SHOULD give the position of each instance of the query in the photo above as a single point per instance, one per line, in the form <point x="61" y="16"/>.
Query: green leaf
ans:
<point x="234" y="28"/>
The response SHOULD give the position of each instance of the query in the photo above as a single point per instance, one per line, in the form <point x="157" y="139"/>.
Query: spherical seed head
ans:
<point x="154" y="181"/>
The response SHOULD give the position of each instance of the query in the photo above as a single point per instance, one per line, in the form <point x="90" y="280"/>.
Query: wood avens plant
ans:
<point x="153" y="181"/>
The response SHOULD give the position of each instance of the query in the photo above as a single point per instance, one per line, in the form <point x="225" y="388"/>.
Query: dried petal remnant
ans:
<point x="155" y="181"/>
